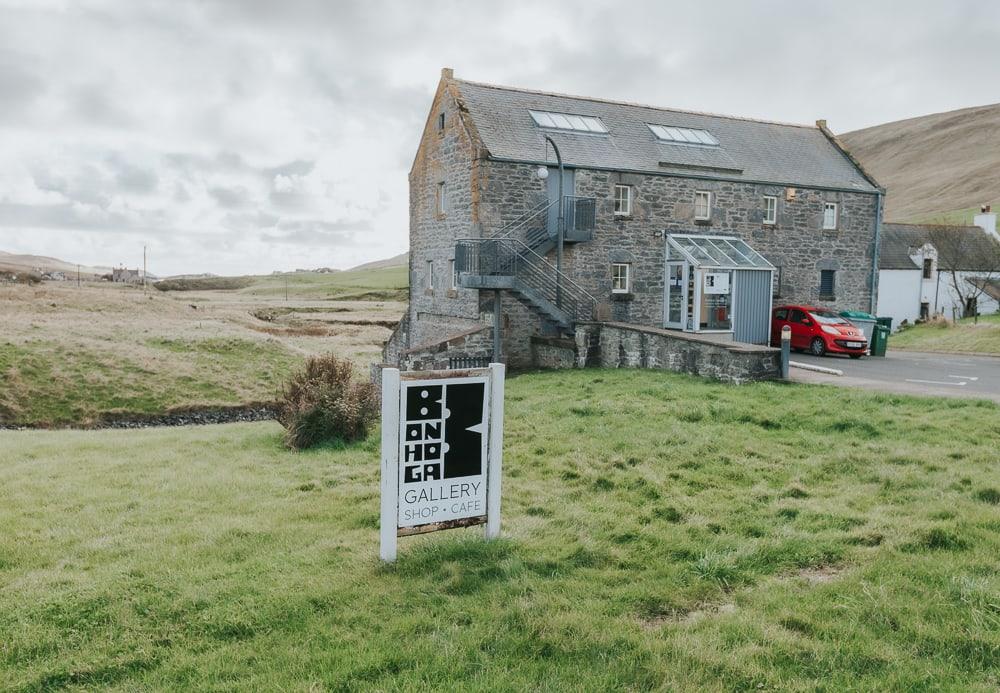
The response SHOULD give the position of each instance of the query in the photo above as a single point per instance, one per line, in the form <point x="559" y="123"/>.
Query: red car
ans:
<point x="818" y="331"/>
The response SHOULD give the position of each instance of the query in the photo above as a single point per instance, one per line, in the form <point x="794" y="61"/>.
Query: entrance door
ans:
<point x="675" y="295"/>
<point x="552" y="188"/>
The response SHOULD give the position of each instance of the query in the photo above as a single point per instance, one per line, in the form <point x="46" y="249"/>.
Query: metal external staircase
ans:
<point x="514" y="259"/>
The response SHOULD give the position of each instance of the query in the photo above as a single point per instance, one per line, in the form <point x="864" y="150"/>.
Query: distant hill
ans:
<point x="941" y="166"/>
<point x="401" y="260"/>
<point x="11" y="262"/>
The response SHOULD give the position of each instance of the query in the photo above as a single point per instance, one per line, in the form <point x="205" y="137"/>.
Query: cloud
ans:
<point x="266" y="134"/>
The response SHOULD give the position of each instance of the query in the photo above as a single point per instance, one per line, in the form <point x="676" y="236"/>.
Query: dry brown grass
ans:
<point x="132" y="350"/>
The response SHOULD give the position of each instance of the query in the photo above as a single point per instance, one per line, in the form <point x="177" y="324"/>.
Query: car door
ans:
<point x="801" y="328"/>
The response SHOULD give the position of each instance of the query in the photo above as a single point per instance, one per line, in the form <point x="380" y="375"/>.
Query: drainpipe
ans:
<point x="875" y="252"/>
<point x="560" y="234"/>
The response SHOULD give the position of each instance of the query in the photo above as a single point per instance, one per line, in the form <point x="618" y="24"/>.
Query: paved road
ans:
<point x="910" y="372"/>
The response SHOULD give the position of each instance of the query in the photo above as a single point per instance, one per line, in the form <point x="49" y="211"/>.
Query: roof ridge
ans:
<point x="635" y="104"/>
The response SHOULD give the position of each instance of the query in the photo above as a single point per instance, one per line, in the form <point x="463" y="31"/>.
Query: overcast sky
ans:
<point x="237" y="136"/>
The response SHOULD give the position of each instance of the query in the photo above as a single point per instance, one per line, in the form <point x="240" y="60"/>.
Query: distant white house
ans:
<point x="917" y="282"/>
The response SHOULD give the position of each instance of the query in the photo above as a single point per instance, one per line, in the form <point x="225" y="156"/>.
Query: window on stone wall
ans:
<point x="453" y="274"/>
<point x="441" y="122"/>
<point x="702" y="205"/>
<point x="770" y="210"/>
<point x="928" y="268"/>
<point x="620" y="272"/>
<point x="827" y="284"/>
<point x="429" y="276"/>
<point x="441" y="199"/>
<point x="623" y="200"/>
<point x="830" y="215"/>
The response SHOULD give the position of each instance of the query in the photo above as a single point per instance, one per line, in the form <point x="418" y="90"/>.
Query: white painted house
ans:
<point x="915" y="282"/>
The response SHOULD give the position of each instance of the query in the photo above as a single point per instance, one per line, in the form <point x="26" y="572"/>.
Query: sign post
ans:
<point x="442" y="448"/>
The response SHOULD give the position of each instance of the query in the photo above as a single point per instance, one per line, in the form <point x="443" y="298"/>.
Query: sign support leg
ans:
<point x="497" y="373"/>
<point x="390" y="463"/>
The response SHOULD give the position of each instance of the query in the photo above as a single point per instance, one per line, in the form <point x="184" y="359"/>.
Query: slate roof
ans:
<point x="980" y="249"/>
<point x="769" y="152"/>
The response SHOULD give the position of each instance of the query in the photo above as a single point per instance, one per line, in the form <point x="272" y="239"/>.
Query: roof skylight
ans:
<point x="567" y="121"/>
<point x="670" y="133"/>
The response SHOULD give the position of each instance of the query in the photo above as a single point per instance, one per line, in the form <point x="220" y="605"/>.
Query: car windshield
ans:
<point x="826" y="317"/>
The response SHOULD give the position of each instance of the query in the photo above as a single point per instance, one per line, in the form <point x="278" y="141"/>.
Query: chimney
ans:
<point x="987" y="221"/>
<point x="447" y="73"/>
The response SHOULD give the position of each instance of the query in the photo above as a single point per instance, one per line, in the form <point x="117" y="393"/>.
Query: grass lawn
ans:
<point x="963" y="336"/>
<point x="661" y="532"/>
<point x="50" y="383"/>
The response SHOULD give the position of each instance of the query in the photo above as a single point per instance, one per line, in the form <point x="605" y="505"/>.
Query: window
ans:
<point x="781" y="314"/>
<point x="623" y="200"/>
<point x="441" y="122"/>
<point x="770" y="210"/>
<point x="925" y="311"/>
<point x="702" y="205"/>
<point x="429" y="276"/>
<point x="928" y="268"/>
<point x="676" y="135"/>
<point x="453" y="274"/>
<point x="620" y="277"/>
<point x="567" y="121"/>
<point x="441" y="199"/>
<point x="827" y="283"/>
<point x="830" y="215"/>
<point x="797" y="316"/>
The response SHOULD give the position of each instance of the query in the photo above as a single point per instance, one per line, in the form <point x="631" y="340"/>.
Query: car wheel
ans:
<point x="817" y="347"/>
<point x="855" y="356"/>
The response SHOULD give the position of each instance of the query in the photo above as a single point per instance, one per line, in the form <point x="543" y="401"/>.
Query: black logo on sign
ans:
<point x="443" y="431"/>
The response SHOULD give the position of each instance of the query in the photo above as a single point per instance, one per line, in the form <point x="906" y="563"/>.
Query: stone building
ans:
<point x="669" y="220"/>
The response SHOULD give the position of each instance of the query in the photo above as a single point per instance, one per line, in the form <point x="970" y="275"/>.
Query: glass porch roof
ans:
<point x="720" y="252"/>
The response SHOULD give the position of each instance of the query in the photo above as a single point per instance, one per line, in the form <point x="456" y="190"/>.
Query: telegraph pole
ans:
<point x="144" y="267"/>
<point x="78" y="276"/>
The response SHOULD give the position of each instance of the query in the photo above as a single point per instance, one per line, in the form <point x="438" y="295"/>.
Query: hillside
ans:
<point x="935" y="167"/>
<point x="401" y="260"/>
<point x="11" y="262"/>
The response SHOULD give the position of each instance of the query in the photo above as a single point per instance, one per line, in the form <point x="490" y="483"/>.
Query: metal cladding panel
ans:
<point x="752" y="309"/>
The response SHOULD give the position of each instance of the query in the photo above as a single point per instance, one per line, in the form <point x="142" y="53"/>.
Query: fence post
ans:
<point x="786" y="350"/>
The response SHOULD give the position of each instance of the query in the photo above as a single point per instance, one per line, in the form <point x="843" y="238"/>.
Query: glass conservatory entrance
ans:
<point x="717" y="284"/>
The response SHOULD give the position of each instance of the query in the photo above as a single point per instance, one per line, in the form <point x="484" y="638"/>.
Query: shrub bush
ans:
<point x="326" y="402"/>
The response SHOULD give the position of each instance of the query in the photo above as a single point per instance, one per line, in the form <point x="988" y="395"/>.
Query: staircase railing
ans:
<point x="580" y="217"/>
<point x="508" y="257"/>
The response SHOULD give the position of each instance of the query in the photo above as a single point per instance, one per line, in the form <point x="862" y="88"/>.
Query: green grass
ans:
<point x="964" y="336"/>
<point x="660" y="532"/>
<point x="960" y="217"/>
<point x="386" y="284"/>
<point x="47" y="383"/>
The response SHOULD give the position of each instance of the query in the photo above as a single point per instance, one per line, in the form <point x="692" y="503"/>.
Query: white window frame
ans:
<point x="454" y="274"/>
<point x="772" y="202"/>
<point x="429" y="276"/>
<point x="628" y="277"/>
<point x="827" y="206"/>
<point x="626" y="209"/>
<point x="440" y="199"/>
<point x="708" y="205"/>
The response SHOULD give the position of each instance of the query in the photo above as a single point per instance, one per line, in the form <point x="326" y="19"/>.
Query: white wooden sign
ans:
<point x="442" y="445"/>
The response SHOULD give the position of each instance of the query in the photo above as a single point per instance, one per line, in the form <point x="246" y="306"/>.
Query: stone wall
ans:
<point x="796" y="243"/>
<point x="450" y="155"/>
<point x="477" y="343"/>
